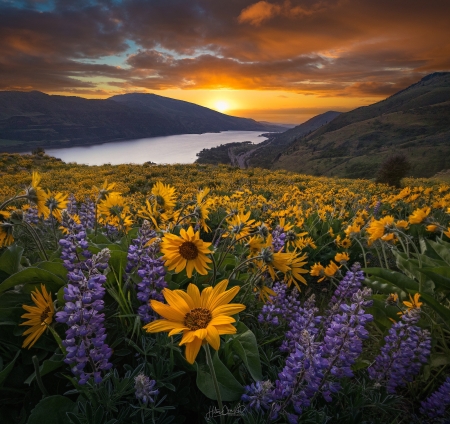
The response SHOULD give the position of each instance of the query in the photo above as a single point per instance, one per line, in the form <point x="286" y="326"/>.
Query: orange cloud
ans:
<point x="257" y="13"/>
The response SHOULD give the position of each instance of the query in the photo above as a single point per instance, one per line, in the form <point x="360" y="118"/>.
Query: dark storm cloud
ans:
<point x="323" y="47"/>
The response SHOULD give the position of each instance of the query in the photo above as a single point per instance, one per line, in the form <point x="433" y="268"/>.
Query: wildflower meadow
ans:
<point x="209" y="294"/>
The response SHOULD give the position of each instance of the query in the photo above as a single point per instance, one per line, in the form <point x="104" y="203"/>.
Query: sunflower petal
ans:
<point x="194" y="293"/>
<point x="188" y="337"/>
<point x="224" y="298"/>
<point x="163" y="325"/>
<point x="213" y="337"/>
<point x="231" y="309"/>
<point x="221" y="319"/>
<point x="176" y="301"/>
<point x="166" y="311"/>
<point x="192" y="350"/>
<point x="226" y="329"/>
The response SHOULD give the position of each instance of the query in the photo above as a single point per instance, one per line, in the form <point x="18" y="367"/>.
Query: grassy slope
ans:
<point x="415" y="122"/>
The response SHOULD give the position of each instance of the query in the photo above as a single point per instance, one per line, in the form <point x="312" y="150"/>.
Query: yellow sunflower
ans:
<point x="105" y="190"/>
<point x="6" y="234"/>
<point x="414" y="302"/>
<point x="342" y="257"/>
<point x="39" y="316"/>
<point x="419" y="215"/>
<point x="378" y="228"/>
<point x="37" y="195"/>
<point x="186" y="251"/>
<point x="296" y="263"/>
<point x="164" y="195"/>
<point x="202" y="318"/>
<point x="239" y="225"/>
<point x="151" y="213"/>
<point x="317" y="270"/>
<point x="55" y="203"/>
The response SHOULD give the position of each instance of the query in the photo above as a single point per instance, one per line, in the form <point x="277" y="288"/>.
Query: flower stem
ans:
<point x="214" y="378"/>
<point x="38" y="376"/>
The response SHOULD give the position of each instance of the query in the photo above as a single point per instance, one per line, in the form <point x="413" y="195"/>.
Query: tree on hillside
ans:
<point x="393" y="169"/>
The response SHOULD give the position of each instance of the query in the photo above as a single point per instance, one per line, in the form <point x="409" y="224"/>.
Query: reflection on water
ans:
<point x="170" y="149"/>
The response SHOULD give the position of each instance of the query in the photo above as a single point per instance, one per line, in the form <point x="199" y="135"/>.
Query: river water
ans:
<point x="170" y="149"/>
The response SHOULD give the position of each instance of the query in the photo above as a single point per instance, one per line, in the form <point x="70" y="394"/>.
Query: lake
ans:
<point x="170" y="149"/>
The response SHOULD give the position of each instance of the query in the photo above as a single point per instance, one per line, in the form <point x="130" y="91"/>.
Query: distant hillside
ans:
<point x="269" y="151"/>
<point x="414" y="121"/>
<point x="32" y="119"/>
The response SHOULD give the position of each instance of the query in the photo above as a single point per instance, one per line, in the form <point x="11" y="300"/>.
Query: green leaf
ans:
<point x="47" y="366"/>
<point x="99" y="239"/>
<point x="442" y="249"/>
<point x="408" y="266"/>
<point x="230" y="388"/>
<point x="10" y="260"/>
<point x="383" y="286"/>
<point x="5" y="372"/>
<point x="56" y="268"/>
<point x="440" y="276"/>
<point x="36" y="276"/>
<point x="437" y="360"/>
<point x="52" y="410"/>
<point x="395" y="278"/>
<point x="246" y="347"/>
<point x="440" y="309"/>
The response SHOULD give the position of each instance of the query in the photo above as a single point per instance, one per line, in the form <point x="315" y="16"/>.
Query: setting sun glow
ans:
<point x="221" y="106"/>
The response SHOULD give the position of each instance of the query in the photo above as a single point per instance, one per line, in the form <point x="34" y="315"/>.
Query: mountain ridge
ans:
<point x="414" y="122"/>
<point x="35" y="119"/>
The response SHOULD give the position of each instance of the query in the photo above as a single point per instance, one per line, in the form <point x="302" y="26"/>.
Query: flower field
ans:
<point x="198" y="293"/>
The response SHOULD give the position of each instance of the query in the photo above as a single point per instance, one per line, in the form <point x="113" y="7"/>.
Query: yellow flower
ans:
<point x="402" y="224"/>
<point x="294" y="274"/>
<point x="55" y="203"/>
<point x="346" y="243"/>
<point x="331" y="269"/>
<point x="187" y="251"/>
<point x="341" y="257"/>
<point x="317" y="270"/>
<point x="352" y="230"/>
<point x="151" y="213"/>
<point x="164" y="195"/>
<point x="392" y="299"/>
<point x="202" y="318"/>
<point x="6" y="234"/>
<point x="414" y="302"/>
<point x="264" y="293"/>
<point x="39" y="316"/>
<point x="239" y="225"/>
<point x="432" y="228"/>
<point x="419" y="215"/>
<point x="105" y="190"/>
<point x="36" y="194"/>
<point x="377" y="228"/>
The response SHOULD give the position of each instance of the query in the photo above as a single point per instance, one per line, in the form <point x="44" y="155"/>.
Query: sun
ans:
<point x="221" y="106"/>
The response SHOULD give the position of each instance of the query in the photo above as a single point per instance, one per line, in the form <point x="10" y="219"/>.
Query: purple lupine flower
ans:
<point x="144" y="389"/>
<point x="342" y="343"/>
<point x="407" y="348"/>
<point x="377" y="208"/>
<point x="87" y="214"/>
<point x="278" y="238"/>
<point x="150" y="268"/>
<point x="348" y="286"/>
<point x="314" y="365"/>
<point x="280" y="308"/>
<point x="434" y="406"/>
<point x="87" y="352"/>
<point x="304" y="318"/>
<point x="31" y="216"/>
<point x="257" y="395"/>
<point x="73" y="244"/>
<point x="72" y="207"/>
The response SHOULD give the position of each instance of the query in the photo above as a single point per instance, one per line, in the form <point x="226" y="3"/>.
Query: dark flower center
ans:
<point x="45" y="313"/>
<point x="197" y="318"/>
<point x="188" y="250"/>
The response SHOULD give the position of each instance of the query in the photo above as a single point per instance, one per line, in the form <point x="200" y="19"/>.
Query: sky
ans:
<point x="279" y="60"/>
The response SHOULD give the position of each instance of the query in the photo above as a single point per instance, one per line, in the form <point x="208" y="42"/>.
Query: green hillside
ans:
<point x="415" y="122"/>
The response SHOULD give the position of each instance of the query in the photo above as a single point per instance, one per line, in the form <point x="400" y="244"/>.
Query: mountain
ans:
<point x="32" y="119"/>
<point x="414" y="122"/>
<point x="269" y="151"/>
